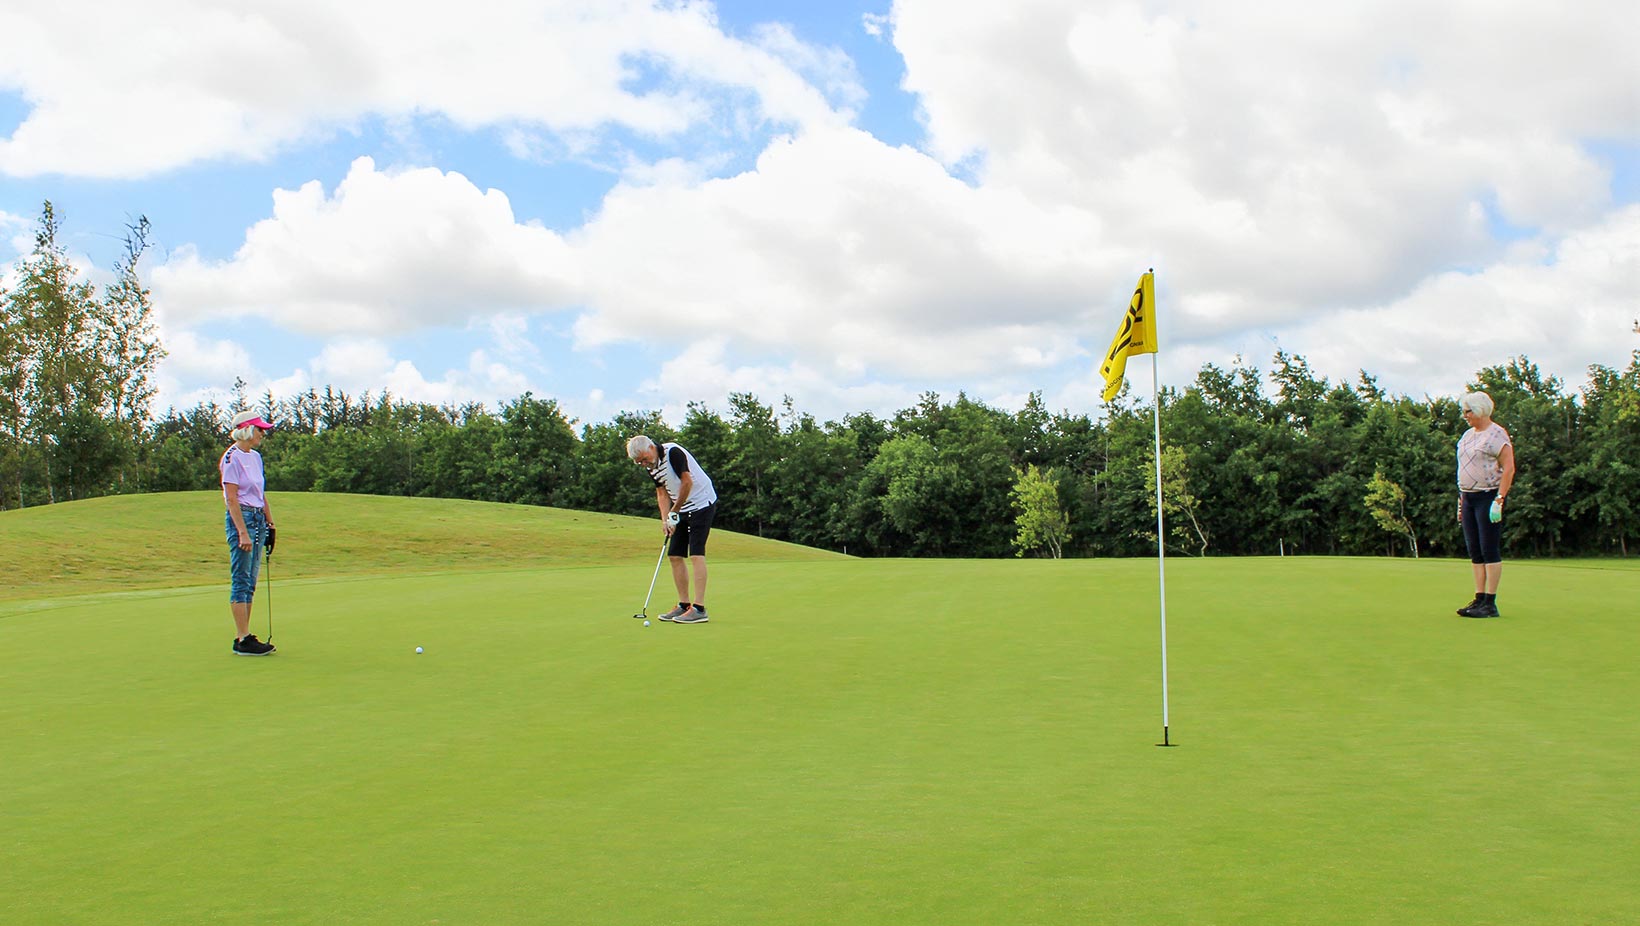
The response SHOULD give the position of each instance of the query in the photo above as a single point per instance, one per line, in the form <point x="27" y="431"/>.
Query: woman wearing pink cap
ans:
<point x="248" y="525"/>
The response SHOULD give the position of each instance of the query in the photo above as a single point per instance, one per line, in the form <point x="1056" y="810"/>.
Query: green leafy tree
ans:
<point x="13" y="411"/>
<point x="1386" y="502"/>
<point x="537" y="450"/>
<point x="126" y="340"/>
<point x="1181" y="508"/>
<point x="52" y="312"/>
<point x="899" y="501"/>
<point x="457" y="461"/>
<point x="1606" y="482"/>
<point x="754" y="451"/>
<point x="811" y="484"/>
<point x="1041" y="522"/>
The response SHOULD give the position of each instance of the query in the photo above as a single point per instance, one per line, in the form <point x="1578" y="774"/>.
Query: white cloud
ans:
<point x="847" y="255"/>
<point x="198" y="369"/>
<point x="229" y="82"/>
<point x="703" y="372"/>
<point x="203" y="369"/>
<point x="1568" y="312"/>
<point x="389" y="251"/>
<point x="1284" y="158"/>
<point x="15" y="231"/>
<point x="192" y="356"/>
<point x="1331" y="180"/>
<point x="364" y="365"/>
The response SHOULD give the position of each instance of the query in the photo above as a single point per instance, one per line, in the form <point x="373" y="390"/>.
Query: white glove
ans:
<point x="1496" y="513"/>
<point x="671" y="519"/>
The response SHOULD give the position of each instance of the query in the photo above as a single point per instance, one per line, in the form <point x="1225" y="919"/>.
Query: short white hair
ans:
<point x="637" y="445"/>
<point x="1478" y="402"/>
<point x="245" y="433"/>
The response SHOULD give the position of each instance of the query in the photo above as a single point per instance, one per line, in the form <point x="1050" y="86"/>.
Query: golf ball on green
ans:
<point x="418" y="649"/>
<point x="646" y="623"/>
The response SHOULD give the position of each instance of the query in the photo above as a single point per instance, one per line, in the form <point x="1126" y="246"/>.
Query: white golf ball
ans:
<point x="646" y="623"/>
<point x="418" y="649"/>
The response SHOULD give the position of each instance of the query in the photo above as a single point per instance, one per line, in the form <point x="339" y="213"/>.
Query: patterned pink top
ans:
<point x="1478" y="451"/>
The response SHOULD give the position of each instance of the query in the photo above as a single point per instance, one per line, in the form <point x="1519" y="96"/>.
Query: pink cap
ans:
<point x="251" y="418"/>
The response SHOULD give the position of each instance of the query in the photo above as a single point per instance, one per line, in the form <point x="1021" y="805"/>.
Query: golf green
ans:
<point x="848" y="741"/>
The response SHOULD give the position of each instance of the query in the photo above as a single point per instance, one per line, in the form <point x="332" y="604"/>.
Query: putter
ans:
<point x="658" y="560"/>
<point x="267" y="565"/>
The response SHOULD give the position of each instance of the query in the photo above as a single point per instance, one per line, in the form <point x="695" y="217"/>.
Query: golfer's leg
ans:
<point x="699" y="564"/>
<point x="241" y="581"/>
<point x="1480" y="577"/>
<point x="1494" y="572"/>
<point x="680" y="576"/>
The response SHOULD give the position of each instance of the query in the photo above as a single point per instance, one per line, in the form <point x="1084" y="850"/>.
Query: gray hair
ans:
<point x="637" y="445"/>
<point x="245" y="433"/>
<point x="1478" y="402"/>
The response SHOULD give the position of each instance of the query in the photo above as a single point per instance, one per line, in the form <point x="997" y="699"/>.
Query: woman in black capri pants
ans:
<point x="1486" y="470"/>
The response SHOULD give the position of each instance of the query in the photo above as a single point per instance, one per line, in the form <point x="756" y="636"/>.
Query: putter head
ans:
<point x="639" y="616"/>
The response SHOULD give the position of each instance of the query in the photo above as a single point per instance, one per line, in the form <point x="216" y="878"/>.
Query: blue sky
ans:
<point x="635" y="205"/>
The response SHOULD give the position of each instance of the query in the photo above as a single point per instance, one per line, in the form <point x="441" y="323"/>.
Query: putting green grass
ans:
<point x="848" y="741"/>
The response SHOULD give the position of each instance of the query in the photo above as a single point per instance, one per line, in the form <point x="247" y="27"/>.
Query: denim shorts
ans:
<point x="244" y="565"/>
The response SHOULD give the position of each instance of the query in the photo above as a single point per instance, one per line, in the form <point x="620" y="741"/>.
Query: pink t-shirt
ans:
<point x="1478" y="451"/>
<point x="243" y="468"/>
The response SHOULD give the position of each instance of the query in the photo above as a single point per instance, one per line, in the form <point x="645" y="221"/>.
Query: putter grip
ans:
<point x="272" y="535"/>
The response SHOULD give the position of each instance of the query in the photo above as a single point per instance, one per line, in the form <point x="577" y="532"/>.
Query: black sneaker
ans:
<point x="251" y="646"/>
<point x="1468" y="610"/>
<point x="691" y="616"/>
<point x="1484" y="609"/>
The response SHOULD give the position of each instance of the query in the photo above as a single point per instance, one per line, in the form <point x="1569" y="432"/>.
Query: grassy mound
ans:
<point x="134" y="542"/>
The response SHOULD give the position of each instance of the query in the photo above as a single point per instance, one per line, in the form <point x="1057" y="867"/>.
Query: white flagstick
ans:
<point x="1161" y="553"/>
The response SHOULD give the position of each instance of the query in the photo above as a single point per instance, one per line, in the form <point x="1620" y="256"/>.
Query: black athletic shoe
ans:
<point x="1484" y="609"/>
<point x="251" y="646"/>
<point x="691" y="616"/>
<point x="1468" y="610"/>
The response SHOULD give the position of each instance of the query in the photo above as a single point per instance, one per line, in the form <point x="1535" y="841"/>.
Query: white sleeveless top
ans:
<point x="673" y="460"/>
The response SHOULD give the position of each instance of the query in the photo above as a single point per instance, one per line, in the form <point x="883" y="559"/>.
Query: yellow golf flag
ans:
<point x="1136" y="336"/>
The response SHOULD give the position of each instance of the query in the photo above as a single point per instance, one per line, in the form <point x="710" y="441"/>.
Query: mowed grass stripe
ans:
<point x="847" y="741"/>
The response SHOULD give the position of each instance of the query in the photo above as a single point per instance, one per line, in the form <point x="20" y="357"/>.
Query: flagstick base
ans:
<point x="1164" y="741"/>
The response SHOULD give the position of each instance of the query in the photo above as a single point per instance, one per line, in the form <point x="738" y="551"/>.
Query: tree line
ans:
<point x="76" y="369"/>
<point x="1253" y="462"/>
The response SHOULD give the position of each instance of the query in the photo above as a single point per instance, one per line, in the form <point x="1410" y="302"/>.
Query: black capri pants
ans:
<point x="1483" y="538"/>
<point x="689" y="537"/>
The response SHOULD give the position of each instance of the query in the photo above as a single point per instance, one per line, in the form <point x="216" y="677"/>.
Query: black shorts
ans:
<point x="689" y="539"/>
<point x="1483" y="538"/>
